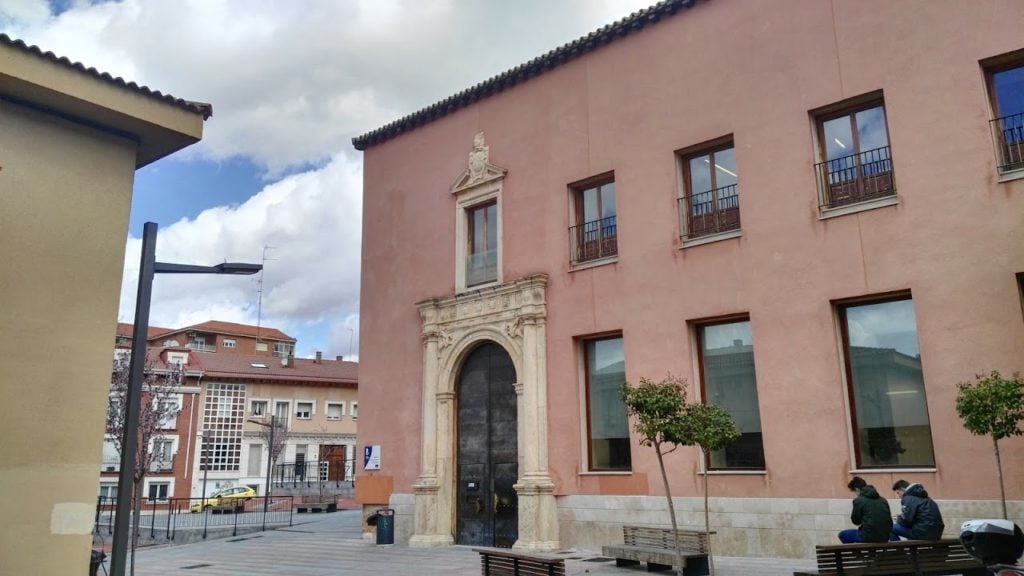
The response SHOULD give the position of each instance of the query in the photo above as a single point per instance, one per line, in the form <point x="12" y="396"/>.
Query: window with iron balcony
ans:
<point x="1005" y="79"/>
<point x="710" y="202"/>
<point x="594" y="234"/>
<point x="855" y="165"/>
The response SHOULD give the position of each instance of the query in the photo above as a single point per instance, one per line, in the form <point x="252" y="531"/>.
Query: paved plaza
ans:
<point x="333" y="545"/>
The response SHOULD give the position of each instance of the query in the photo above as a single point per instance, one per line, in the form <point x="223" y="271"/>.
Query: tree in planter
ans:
<point x="158" y="409"/>
<point x="993" y="406"/>
<point x="658" y="410"/>
<point x="710" y="428"/>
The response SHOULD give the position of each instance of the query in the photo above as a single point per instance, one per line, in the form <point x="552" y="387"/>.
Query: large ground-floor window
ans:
<point x="728" y="380"/>
<point x="885" y="384"/>
<point x="607" y="423"/>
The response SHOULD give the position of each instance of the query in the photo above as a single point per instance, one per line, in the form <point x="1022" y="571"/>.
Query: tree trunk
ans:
<point x="999" y="467"/>
<point x="671" y="507"/>
<point x="707" y="516"/>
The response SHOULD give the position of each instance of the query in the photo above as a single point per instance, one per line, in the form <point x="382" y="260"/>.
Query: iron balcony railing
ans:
<point x="710" y="212"/>
<point x="855" y="178"/>
<point x="310" y="472"/>
<point x="1008" y="132"/>
<point x="200" y="347"/>
<point x="593" y="240"/>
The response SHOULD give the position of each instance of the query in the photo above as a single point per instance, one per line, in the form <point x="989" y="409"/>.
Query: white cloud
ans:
<point x="311" y="221"/>
<point x="291" y="83"/>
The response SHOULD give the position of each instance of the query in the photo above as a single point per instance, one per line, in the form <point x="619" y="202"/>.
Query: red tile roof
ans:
<point x="539" y="65"/>
<point x="198" y="107"/>
<point x="231" y="328"/>
<point x="242" y="366"/>
<point x="124" y="329"/>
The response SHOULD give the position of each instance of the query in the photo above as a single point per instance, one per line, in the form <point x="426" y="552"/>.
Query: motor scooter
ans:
<point x="997" y="543"/>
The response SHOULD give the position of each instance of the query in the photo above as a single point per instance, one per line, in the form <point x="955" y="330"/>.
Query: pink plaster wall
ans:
<point x="754" y="70"/>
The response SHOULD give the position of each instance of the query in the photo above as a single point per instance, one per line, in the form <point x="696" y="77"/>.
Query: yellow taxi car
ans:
<point x="232" y="496"/>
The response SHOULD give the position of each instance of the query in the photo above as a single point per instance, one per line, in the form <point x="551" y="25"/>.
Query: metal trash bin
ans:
<point x="94" y="562"/>
<point x="385" y="526"/>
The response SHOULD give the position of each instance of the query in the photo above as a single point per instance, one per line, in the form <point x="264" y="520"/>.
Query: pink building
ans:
<point x="813" y="211"/>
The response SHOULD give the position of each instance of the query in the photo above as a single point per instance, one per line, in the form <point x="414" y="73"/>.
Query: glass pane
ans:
<point x="838" y="138"/>
<point x="492" y="236"/>
<point x="888" y="385"/>
<point x="608" y="200"/>
<point x="609" y="427"/>
<point x="871" y="131"/>
<point x="482" y="260"/>
<point x="477" y="243"/>
<point x="725" y="167"/>
<point x="1009" y="88"/>
<point x="589" y="199"/>
<point x="700" y="174"/>
<point x="727" y="352"/>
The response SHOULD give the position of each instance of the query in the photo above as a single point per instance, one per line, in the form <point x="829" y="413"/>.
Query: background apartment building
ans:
<point x="810" y="210"/>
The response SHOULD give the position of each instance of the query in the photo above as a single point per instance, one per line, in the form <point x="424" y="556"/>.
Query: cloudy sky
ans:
<point x="291" y="83"/>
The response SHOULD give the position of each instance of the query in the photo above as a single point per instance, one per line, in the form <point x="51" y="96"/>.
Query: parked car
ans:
<point x="226" y="497"/>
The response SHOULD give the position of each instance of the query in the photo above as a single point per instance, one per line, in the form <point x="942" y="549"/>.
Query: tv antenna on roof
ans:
<point x="259" y="292"/>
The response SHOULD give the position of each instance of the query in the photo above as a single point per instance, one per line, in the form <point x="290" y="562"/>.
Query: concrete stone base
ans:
<point x="746" y="527"/>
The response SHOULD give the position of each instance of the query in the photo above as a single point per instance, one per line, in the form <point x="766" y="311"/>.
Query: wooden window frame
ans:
<point x="607" y="247"/>
<point x="840" y="308"/>
<point x="709" y="148"/>
<point x="583" y="341"/>
<point x="698" y="325"/>
<point x="470" y="212"/>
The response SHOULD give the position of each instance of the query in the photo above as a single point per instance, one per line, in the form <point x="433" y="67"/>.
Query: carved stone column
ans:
<point x="538" y="523"/>
<point x="427" y="530"/>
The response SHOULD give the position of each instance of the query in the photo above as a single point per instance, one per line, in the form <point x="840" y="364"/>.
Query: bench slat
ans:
<point x="906" y="557"/>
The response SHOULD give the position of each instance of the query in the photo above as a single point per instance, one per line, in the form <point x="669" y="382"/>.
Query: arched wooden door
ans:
<point x="487" y="459"/>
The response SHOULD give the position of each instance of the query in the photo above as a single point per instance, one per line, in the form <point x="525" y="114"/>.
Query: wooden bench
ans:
<point x="657" y="548"/>
<point x="316" y="504"/>
<point x="909" y="557"/>
<point x="505" y="562"/>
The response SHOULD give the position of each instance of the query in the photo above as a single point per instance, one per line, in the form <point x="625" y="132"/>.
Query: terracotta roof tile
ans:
<point x="265" y="332"/>
<point x="125" y="329"/>
<point x="198" y="107"/>
<point x="302" y="369"/>
<point x="605" y="35"/>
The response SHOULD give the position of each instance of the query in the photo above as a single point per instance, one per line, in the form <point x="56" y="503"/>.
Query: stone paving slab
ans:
<point x="334" y="546"/>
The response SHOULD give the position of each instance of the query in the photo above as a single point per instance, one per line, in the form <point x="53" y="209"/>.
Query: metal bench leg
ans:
<point x="696" y="567"/>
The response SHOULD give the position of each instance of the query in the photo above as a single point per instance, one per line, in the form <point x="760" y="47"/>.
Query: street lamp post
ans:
<point x="148" y="266"/>
<point x="207" y="434"/>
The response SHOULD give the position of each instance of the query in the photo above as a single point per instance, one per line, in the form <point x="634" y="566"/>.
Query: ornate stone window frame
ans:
<point x="479" y="184"/>
<point x="512" y="315"/>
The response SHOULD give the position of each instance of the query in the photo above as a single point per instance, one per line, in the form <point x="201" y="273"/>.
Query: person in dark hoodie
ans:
<point x="870" y="514"/>
<point x="919" y="518"/>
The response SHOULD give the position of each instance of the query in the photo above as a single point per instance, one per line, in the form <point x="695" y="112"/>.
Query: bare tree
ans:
<point x="159" y="407"/>
<point x="275" y="428"/>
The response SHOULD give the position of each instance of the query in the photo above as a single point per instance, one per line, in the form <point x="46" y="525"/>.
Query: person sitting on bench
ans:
<point x="919" y="518"/>
<point x="870" y="514"/>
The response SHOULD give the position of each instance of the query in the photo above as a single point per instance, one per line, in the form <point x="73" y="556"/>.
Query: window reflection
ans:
<point x="606" y="413"/>
<point x="887" y="385"/>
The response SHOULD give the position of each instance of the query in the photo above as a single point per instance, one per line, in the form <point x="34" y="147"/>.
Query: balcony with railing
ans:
<point x="855" y="178"/>
<point x="1008" y="132"/>
<point x="593" y="240"/>
<point x="711" y="212"/>
<point x="201" y="347"/>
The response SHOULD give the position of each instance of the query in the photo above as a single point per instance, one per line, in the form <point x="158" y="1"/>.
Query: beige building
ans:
<point x="70" y="142"/>
<point x="315" y="398"/>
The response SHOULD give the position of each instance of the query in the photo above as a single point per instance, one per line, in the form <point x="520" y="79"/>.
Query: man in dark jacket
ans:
<point x="870" y="513"/>
<point x="919" y="518"/>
